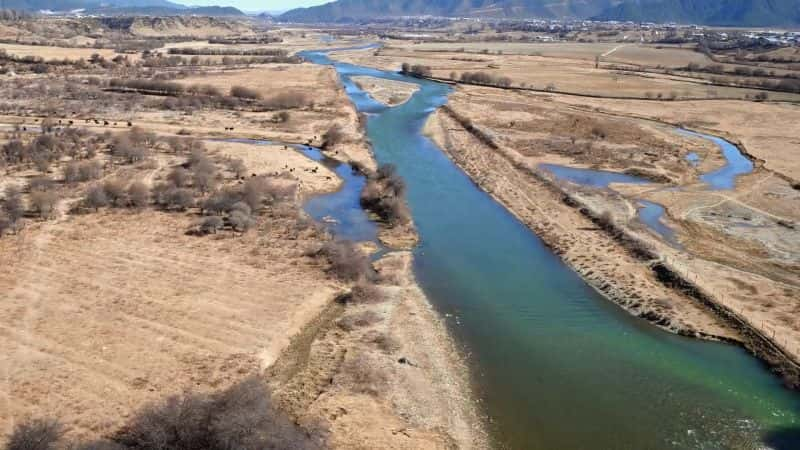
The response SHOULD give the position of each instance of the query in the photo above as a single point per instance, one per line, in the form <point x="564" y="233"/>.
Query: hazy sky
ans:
<point x="256" y="5"/>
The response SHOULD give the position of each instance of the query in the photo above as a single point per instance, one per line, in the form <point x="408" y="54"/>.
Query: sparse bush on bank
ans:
<point x="384" y="194"/>
<point x="335" y="135"/>
<point x="416" y="70"/>
<point x="241" y="417"/>
<point x="485" y="78"/>
<point x="347" y="261"/>
<point x="245" y="92"/>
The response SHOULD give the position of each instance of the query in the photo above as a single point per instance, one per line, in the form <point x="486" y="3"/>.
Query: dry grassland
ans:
<point x="560" y="71"/>
<point x="57" y="53"/>
<point x="104" y="313"/>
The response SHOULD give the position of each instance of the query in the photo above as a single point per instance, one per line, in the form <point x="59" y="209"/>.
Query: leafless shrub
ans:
<point x="287" y="100"/>
<point x="138" y="194"/>
<point x="347" y="261"/>
<point x="179" y="198"/>
<point x="384" y="342"/>
<point x="41" y="184"/>
<point x="96" y="197"/>
<point x="363" y="375"/>
<point x="39" y="434"/>
<point x="44" y="203"/>
<point x="361" y="319"/>
<point x="238" y="167"/>
<point x="281" y="117"/>
<point x="124" y="147"/>
<point x="241" y="417"/>
<point x="147" y="86"/>
<point x="365" y="292"/>
<point x="334" y="135"/>
<point x="211" y="224"/>
<point x="384" y="195"/>
<point x="13" y="206"/>
<point x="115" y="192"/>
<point x="82" y="171"/>
<point x="204" y="171"/>
<point x="179" y="177"/>
<point x="417" y="70"/>
<point x="245" y="92"/>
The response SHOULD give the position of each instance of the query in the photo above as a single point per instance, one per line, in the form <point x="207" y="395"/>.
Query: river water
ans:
<point x="556" y="365"/>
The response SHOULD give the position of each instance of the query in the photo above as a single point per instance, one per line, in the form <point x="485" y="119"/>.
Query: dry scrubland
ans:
<point x="159" y="273"/>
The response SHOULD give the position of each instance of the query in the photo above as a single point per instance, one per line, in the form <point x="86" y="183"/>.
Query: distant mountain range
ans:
<point x="709" y="12"/>
<point x="121" y="7"/>
<point x="342" y="10"/>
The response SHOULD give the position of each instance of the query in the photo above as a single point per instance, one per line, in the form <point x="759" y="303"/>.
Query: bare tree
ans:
<point x="96" y="197"/>
<point x="13" y="205"/>
<point x="211" y="224"/>
<point x="116" y="192"/>
<point x="138" y="194"/>
<point x="237" y="166"/>
<point x="44" y="203"/>
<point x="179" y="177"/>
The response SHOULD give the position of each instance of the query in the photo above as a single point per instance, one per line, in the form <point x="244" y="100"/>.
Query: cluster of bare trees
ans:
<point x="265" y="39"/>
<point x="116" y="193"/>
<point x="148" y="86"/>
<point x="236" y="206"/>
<point x="227" y="51"/>
<point x="416" y="70"/>
<point x="12" y="210"/>
<point x="174" y="60"/>
<point x="384" y="194"/>
<point x="49" y="146"/>
<point x="790" y="82"/>
<point x="485" y="78"/>
<point x="204" y="95"/>
<point x="240" y="417"/>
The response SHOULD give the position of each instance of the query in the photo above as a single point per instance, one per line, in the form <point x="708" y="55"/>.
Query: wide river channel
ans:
<point x="556" y="365"/>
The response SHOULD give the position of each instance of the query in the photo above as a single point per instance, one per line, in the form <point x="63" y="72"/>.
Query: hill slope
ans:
<point x="120" y="7"/>
<point x="357" y="9"/>
<point x="710" y="12"/>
